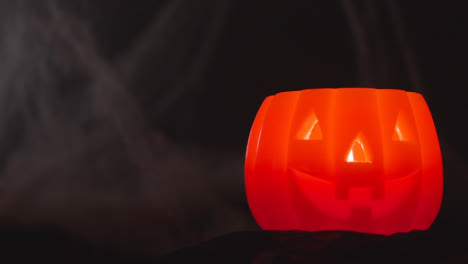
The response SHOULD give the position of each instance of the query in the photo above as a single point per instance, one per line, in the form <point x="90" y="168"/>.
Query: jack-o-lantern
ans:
<point x="356" y="159"/>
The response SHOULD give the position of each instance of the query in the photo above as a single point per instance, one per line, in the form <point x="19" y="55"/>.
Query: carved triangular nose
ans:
<point x="358" y="152"/>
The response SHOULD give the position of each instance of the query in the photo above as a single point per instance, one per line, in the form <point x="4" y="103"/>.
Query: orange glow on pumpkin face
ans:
<point x="357" y="159"/>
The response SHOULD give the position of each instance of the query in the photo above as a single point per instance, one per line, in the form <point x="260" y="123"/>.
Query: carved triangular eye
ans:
<point x="311" y="129"/>
<point x="400" y="132"/>
<point x="358" y="153"/>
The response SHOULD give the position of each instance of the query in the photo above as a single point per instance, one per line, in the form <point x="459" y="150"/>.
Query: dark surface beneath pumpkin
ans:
<point x="325" y="247"/>
<point x="53" y="246"/>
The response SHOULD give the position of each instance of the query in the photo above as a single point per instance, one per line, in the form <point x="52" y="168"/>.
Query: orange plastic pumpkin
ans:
<point x="355" y="159"/>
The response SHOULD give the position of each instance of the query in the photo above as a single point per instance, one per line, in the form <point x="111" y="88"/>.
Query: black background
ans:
<point x="260" y="48"/>
<point x="272" y="46"/>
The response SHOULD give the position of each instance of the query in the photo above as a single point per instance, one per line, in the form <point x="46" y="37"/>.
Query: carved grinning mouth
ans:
<point x="322" y="195"/>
